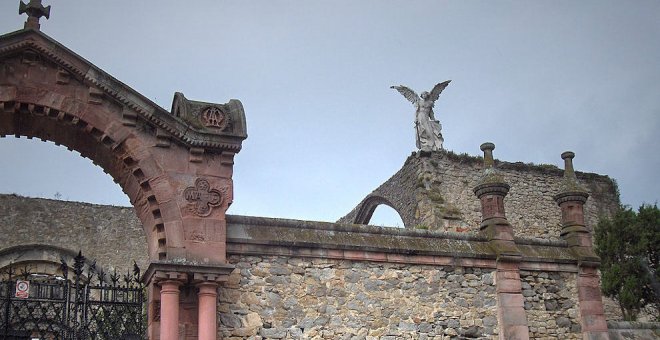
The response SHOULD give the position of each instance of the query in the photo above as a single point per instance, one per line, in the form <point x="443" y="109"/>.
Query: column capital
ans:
<point x="161" y="277"/>
<point x="199" y="279"/>
<point x="186" y="273"/>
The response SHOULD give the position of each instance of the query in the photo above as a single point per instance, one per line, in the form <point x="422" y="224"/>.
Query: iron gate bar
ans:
<point x="78" y="309"/>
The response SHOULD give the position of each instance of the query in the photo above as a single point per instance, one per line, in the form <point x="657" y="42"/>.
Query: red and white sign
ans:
<point x="22" y="289"/>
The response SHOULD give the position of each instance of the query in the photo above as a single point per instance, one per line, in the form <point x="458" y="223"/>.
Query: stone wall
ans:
<point x="621" y="330"/>
<point x="325" y="280"/>
<point x="298" y="298"/>
<point x="111" y="235"/>
<point x="550" y="303"/>
<point x="435" y="192"/>
<point x="384" y="283"/>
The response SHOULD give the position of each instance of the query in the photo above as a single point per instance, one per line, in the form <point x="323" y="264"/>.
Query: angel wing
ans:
<point x="408" y="93"/>
<point x="437" y="89"/>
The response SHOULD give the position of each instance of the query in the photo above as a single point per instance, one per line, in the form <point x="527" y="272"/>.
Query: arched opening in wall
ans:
<point x="34" y="168"/>
<point x="386" y="216"/>
<point x="104" y="227"/>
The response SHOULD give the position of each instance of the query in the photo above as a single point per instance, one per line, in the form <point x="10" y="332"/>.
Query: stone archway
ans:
<point x="48" y="92"/>
<point x="176" y="167"/>
<point x="367" y="207"/>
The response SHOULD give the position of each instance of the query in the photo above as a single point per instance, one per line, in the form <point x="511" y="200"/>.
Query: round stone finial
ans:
<point x="570" y="190"/>
<point x="568" y="156"/>
<point x="487" y="146"/>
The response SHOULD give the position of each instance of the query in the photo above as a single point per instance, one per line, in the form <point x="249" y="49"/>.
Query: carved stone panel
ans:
<point x="201" y="198"/>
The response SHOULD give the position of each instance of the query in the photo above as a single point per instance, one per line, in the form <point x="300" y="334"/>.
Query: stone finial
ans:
<point x="488" y="148"/>
<point x="570" y="189"/>
<point x="35" y="10"/>
<point x="491" y="180"/>
<point x="491" y="191"/>
<point x="571" y="199"/>
<point x="491" y="188"/>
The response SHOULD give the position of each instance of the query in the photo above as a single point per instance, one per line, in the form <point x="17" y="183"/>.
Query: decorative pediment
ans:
<point x="203" y="127"/>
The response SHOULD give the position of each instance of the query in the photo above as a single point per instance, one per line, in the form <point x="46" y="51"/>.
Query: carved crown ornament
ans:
<point x="220" y="128"/>
<point x="209" y="116"/>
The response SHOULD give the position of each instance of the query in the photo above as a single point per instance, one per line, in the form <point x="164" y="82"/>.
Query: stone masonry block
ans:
<point x="510" y="300"/>
<point x="513" y="316"/>
<point x="589" y="293"/>
<point x="174" y="233"/>
<point x="592" y="307"/>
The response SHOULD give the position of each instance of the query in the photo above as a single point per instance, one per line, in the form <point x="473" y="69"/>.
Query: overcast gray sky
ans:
<point x="534" y="77"/>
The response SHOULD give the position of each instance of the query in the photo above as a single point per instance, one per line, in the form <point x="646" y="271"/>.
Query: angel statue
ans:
<point x="427" y="127"/>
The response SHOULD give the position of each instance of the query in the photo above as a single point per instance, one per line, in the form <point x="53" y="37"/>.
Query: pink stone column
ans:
<point x="511" y="315"/>
<point x="207" y="318"/>
<point x="491" y="190"/>
<point x="571" y="200"/>
<point x="169" y="310"/>
<point x="592" y="313"/>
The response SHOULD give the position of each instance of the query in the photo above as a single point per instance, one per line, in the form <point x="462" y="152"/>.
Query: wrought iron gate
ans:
<point x="89" y="305"/>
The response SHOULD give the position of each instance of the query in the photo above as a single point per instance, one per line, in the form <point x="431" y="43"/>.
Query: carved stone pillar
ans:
<point x="164" y="309"/>
<point x="571" y="200"/>
<point x="491" y="191"/>
<point x="207" y="297"/>
<point x="169" y="309"/>
<point x="198" y="314"/>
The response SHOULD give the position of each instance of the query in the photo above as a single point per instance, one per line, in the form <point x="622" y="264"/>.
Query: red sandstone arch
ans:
<point x="175" y="168"/>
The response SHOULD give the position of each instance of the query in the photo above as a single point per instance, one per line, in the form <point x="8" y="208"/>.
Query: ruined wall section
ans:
<point x="442" y="184"/>
<point x="397" y="189"/>
<point x="111" y="235"/>
<point x="301" y="298"/>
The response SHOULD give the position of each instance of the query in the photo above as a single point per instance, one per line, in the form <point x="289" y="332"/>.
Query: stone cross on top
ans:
<point x="35" y="10"/>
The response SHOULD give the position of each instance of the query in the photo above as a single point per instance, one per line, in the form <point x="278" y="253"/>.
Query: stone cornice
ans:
<point x="270" y="236"/>
<point x="181" y="131"/>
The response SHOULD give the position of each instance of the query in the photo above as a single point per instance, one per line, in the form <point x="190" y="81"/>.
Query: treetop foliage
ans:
<point x="629" y="247"/>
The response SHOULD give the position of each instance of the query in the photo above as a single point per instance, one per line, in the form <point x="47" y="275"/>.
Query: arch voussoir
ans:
<point x="52" y="124"/>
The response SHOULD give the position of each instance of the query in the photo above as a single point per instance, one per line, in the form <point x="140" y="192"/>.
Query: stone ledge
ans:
<point x="347" y="227"/>
<point x="633" y="325"/>
<point x="247" y="234"/>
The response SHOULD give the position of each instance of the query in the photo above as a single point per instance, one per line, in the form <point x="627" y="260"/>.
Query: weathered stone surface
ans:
<point x="92" y="227"/>
<point x="339" y="299"/>
<point x="551" y="304"/>
<point x="111" y="235"/>
<point x="623" y="330"/>
<point x="435" y="192"/>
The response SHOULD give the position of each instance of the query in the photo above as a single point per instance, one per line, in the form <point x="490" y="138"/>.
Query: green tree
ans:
<point x="629" y="248"/>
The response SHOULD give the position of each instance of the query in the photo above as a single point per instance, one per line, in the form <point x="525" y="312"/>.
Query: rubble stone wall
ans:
<point x="111" y="235"/>
<point x="268" y="296"/>
<point x="551" y="304"/>
<point x="295" y="298"/>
